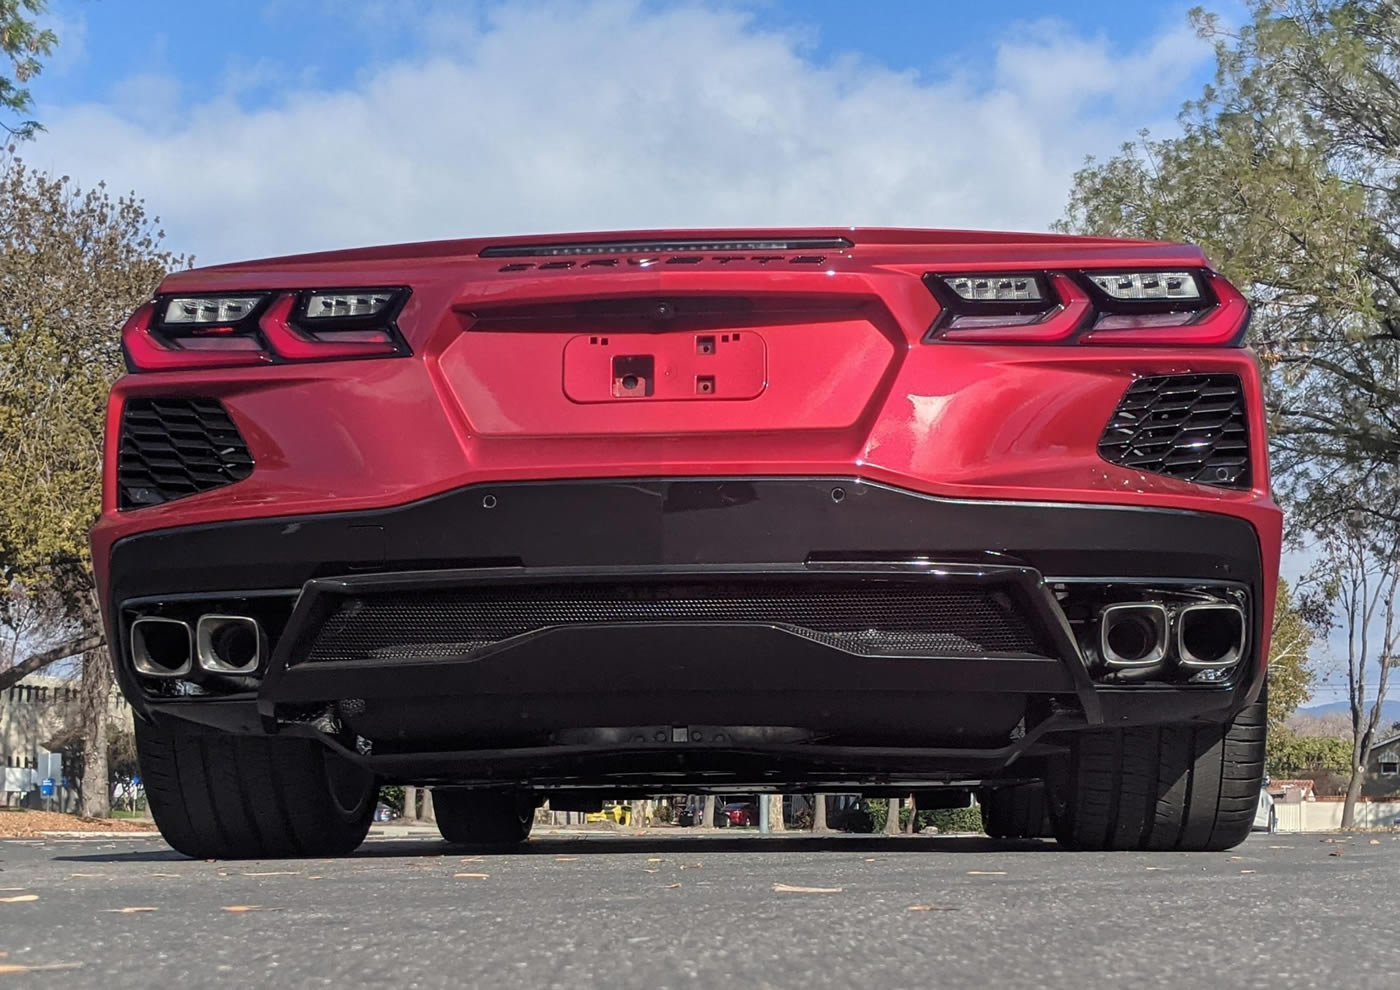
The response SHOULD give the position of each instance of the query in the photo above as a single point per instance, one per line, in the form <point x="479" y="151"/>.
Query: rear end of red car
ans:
<point x="602" y="516"/>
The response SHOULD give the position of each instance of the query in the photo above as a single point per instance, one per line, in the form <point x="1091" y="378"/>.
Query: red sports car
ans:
<point x="891" y="511"/>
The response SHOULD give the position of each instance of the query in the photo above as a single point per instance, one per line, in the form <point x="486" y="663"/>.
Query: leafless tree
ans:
<point x="1365" y="564"/>
<point x="819" y="813"/>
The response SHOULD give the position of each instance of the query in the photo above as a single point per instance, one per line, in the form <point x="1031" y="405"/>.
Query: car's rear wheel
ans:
<point x="1015" y="812"/>
<point x="1185" y="787"/>
<point x="215" y="795"/>
<point x="484" y="818"/>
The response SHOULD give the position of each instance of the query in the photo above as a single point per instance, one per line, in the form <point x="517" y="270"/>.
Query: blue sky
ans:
<point x="275" y="126"/>
<point x="356" y="121"/>
<point x="212" y="44"/>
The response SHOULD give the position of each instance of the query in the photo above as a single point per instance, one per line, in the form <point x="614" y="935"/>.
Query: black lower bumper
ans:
<point x="724" y="673"/>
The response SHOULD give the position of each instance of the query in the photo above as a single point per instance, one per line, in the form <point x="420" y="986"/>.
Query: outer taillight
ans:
<point x="152" y="344"/>
<point x="208" y="331"/>
<point x="1129" y="307"/>
<point x="1216" y="315"/>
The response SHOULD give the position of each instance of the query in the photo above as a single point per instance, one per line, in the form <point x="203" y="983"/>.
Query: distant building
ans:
<point x="1383" y="769"/>
<point x="1292" y="791"/>
<point x="32" y="714"/>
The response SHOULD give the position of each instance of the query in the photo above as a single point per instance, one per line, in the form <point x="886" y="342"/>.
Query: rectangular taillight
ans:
<point x="1136" y="307"/>
<point x="181" y="332"/>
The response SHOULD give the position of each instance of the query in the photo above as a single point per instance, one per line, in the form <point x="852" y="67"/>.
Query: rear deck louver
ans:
<point x="171" y="448"/>
<point x="1191" y="427"/>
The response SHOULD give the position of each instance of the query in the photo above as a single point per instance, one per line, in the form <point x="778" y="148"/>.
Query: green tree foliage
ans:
<point x="1298" y="619"/>
<point x="943" y="819"/>
<point x="73" y="265"/>
<point x="1293" y="756"/>
<point x="1285" y="173"/>
<point x="22" y="44"/>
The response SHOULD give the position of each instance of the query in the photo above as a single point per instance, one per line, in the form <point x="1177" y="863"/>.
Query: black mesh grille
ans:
<point x="1191" y="427"/>
<point x="171" y="448"/>
<point x="875" y="618"/>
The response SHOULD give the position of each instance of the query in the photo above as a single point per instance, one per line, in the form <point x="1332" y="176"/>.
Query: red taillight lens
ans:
<point x="1220" y="325"/>
<point x="295" y="344"/>
<point x="209" y="347"/>
<point x="189" y="332"/>
<point x="1061" y="315"/>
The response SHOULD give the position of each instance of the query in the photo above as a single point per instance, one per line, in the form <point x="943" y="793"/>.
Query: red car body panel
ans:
<point x="831" y="375"/>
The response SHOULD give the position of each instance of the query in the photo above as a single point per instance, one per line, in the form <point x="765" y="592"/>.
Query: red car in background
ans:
<point x="741" y="814"/>
<point x="888" y="511"/>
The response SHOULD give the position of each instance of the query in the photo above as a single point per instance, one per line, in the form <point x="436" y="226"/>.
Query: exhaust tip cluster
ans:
<point x="1198" y="636"/>
<point x="168" y="648"/>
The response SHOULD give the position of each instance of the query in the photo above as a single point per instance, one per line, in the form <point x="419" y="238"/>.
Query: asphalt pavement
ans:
<point x="738" y="912"/>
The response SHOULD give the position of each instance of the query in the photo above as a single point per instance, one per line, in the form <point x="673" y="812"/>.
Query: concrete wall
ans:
<point x="1326" y="816"/>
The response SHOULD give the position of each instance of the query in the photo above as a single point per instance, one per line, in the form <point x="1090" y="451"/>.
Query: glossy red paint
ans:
<point x="849" y="385"/>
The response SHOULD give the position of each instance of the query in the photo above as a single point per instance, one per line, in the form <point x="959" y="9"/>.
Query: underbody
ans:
<point x="621" y="515"/>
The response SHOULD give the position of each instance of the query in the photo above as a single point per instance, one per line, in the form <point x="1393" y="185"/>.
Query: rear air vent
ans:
<point x="887" y="618"/>
<point x="665" y="247"/>
<point x="171" y="448"/>
<point x="1191" y="427"/>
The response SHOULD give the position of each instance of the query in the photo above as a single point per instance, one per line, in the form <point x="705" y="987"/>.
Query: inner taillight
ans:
<point x="185" y="332"/>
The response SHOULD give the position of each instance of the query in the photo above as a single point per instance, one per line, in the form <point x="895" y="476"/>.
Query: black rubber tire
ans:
<point x="1183" y="787"/>
<point x="1017" y="812"/>
<point x="215" y="795"/>
<point x="484" y="818"/>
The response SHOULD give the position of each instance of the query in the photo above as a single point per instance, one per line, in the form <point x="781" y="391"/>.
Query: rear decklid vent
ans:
<point x="1191" y="427"/>
<point x="171" y="448"/>
<point x="658" y="248"/>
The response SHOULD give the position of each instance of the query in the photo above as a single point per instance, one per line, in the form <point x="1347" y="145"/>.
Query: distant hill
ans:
<point x="1390" y="711"/>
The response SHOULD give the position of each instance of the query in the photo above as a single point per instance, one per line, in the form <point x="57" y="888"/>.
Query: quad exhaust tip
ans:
<point x="1133" y="634"/>
<point x="229" y="644"/>
<point x="1210" y="635"/>
<point x="161" y="647"/>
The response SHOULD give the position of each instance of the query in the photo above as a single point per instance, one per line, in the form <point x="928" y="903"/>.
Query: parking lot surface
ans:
<point x="667" y="909"/>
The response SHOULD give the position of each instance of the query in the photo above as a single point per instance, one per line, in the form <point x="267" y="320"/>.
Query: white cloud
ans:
<point x="610" y="114"/>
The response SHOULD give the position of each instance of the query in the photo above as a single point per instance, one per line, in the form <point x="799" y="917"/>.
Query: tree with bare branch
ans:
<point x="1364" y="563"/>
<point x="74" y="264"/>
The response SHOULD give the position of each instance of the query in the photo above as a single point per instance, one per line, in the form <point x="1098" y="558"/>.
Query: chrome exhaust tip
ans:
<point x="229" y="644"/>
<point x="1210" y="635"/>
<point x="161" y="647"/>
<point x="1133" y="634"/>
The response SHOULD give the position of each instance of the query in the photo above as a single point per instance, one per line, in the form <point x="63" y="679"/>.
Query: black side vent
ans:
<point x="171" y="448"/>
<point x="1191" y="427"/>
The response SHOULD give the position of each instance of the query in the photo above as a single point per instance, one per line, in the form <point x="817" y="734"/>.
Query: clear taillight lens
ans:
<point x="346" y="305"/>
<point x="995" y="288"/>
<point x="206" y="310"/>
<point x="1148" y="286"/>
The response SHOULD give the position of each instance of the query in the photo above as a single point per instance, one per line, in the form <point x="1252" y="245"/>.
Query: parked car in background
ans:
<point x="737" y="813"/>
<point x="1265" y="814"/>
